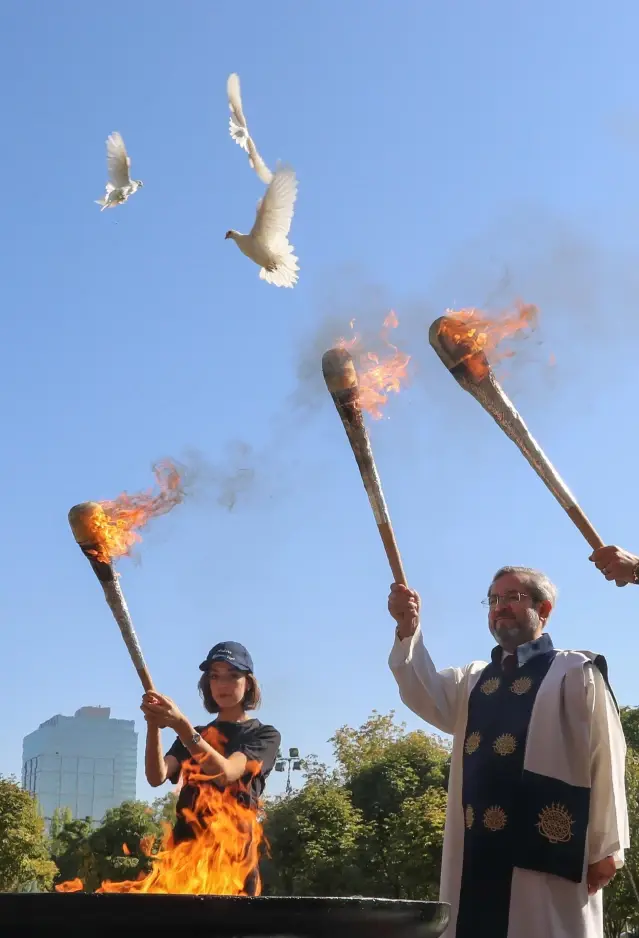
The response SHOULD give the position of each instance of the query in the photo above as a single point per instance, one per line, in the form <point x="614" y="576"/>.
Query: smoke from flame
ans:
<point x="116" y="526"/>
<point x="378" y="376"/>
<point x="479" y="332"/>
<point x="224" y="850"/>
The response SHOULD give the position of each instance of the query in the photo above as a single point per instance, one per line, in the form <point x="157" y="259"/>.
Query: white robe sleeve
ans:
<point x="434" y="695"/>
<point x="608" y="833"/>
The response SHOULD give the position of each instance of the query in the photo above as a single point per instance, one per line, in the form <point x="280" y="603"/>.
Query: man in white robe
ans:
<point x="536" y="821"/>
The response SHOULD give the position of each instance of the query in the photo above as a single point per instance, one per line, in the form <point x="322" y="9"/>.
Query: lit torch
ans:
<point x="350" y="396"/>
<point x="460" y="341"/>
<point x="108" y="530"/>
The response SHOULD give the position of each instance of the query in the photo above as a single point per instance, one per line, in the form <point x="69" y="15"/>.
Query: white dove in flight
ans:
<point x="120" y="185"/>
<point x="267" y="244"/>
<point x="239" y="130"/>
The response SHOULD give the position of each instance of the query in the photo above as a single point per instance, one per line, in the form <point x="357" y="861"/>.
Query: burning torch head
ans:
<point x="85" y="519"/>
<point x="338" y="369"/>
<point x="462" y="356"/>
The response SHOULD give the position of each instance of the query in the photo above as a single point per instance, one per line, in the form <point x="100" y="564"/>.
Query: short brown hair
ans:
<point x="252" y="697"/>
<point x="541" y="588"/>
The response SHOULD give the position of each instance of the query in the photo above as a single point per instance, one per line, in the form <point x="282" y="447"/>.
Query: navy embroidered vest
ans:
<point x="513" y="818"/>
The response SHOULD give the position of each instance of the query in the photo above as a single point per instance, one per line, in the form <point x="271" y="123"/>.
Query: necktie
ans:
<point x="509" y="664"/>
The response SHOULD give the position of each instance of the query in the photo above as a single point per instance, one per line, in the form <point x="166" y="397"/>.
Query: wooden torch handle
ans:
<point x="392" y="552"/>
<point x="145" y="677"/>
<point x="583" y="525"/>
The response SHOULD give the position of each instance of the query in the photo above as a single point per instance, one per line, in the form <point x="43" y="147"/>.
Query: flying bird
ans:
<point x="239" y="130"/>
<point x="120" y="185"/>
<point x="267" y="243"/>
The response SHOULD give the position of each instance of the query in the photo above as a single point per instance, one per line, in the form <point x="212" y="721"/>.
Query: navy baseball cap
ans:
<point x="233" y="653"/>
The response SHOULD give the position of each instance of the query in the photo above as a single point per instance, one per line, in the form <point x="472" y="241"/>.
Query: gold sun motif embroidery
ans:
<point x="505" y="744"/>
<point x="521" y="686"/>
<point x="472" y="743"/>
<point x="495" y="818"/>
<point x="470" y="816"/>
<point x="555" y="824"/>
<point x="490" y="686"/>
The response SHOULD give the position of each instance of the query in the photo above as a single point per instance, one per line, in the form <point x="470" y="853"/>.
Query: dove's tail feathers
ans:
<point x="285" y="274"/>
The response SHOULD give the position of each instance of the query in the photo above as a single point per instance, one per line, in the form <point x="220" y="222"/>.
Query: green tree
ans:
<point x="61" y="817"/>
<point x="630" y="723"/>
<point x="405" y="768"/>
<point x="70" y="845"/>
<point x="357" y="748"/>
<point x="316" y="771"/>
<point x="313" y="837"/>
<point x="621" y="903"/>
<point x="121" y="847"/>
<point x="397" y="781"/>
<point x="412" y="847"/>
<point x="372" y="826"/>
<point x="24" y="854"/>
<point x="164" y="809"/>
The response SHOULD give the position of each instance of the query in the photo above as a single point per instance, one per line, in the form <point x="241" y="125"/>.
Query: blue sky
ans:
<point x="448" y="154"/>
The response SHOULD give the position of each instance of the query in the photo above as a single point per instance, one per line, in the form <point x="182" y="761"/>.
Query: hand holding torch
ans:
<point x="341" y="380"/>
<point x="469" y="366"/>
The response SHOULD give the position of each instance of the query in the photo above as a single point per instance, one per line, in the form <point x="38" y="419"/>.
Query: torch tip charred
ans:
<point x="338" y="370"/>
<point x="458" y="352"/>
<point x="82" y="518"/>
<point x="439" y="337"/>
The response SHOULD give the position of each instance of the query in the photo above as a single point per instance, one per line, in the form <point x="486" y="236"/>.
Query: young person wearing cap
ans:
<point x="229" y="689"/>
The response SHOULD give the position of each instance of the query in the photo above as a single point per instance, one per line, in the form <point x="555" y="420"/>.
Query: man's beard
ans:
<point x="510" y="633"/>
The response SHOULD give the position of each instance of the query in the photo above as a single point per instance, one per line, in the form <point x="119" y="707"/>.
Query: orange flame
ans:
<point x="71" y="885"/>
<point x="478" y="332"/>
<point x="377" y="377"/>
<point x="223" y="852"/>
<point x="146" y="844"/>
<point x="116" y="526"/>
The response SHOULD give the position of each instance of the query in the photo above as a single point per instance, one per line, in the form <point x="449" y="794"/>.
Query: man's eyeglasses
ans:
<point x="513" y="597"/>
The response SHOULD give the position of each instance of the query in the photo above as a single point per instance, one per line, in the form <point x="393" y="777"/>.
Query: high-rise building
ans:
<point x="86" y="762"/>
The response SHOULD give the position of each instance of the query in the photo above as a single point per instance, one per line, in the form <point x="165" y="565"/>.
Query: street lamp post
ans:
<point x="292" y="761"/>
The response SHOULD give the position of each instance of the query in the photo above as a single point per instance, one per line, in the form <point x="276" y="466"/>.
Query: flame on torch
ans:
<point x="478" y="338"/>
<point x="110" y="529"/>
<point x="378" y="376"/>
<point x="342" y="382"/>
<point x="463" y="344"/>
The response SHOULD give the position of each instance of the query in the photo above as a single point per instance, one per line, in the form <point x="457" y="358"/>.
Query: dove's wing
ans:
<point x="257" y="163"/>
<point x="275" y="210"/>
<point x="239" y="131"/>
<point x="237" y="122"/>
<point x="118" y="163"/>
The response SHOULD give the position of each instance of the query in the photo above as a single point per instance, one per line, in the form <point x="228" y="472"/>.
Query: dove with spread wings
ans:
<point x="267" y="243"/>
<point x="238" y="129"/>
<point x="120" y="185"/>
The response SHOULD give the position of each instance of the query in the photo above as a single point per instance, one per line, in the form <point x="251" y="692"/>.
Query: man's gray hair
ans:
<point x="540" y="586"/>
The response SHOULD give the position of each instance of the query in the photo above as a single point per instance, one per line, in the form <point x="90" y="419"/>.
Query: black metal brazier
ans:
<point x="128" y="915"/>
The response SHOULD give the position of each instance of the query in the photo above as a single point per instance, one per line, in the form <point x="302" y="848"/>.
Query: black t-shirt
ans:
<point x="259" y="742"/>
